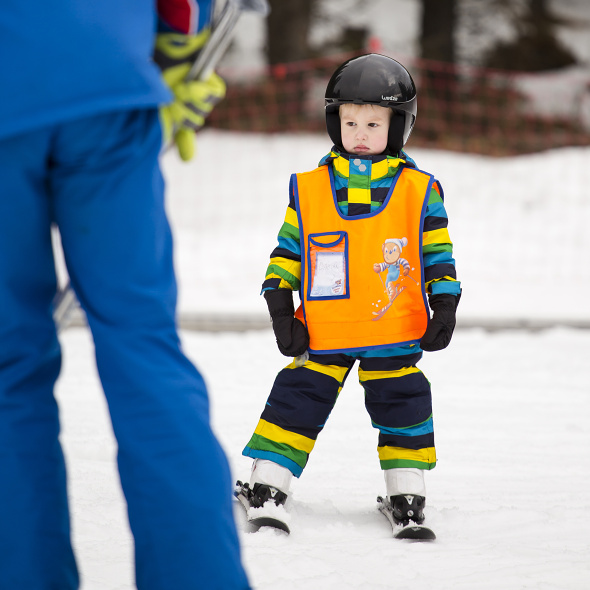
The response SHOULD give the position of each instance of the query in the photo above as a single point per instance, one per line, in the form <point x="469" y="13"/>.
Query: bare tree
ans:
<point x="437" y="37"/>
<point x="287" y="29"/>
<point x="535" y="46"/>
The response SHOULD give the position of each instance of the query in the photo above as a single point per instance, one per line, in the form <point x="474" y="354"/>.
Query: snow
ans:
<point x="518" y="225"/>
<point x="509" y="498"/>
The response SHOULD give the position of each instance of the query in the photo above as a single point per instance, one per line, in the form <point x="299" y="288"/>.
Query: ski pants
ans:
<point x="98" y="179"/>
<point x="397" y="398"/>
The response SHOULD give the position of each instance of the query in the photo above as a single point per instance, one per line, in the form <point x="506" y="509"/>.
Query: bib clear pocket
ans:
<point x="328" y="266"/>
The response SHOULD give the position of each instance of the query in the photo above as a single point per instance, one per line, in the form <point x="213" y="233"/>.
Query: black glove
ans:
<point x="292" y="336"/>
<point x="441" y="326"/>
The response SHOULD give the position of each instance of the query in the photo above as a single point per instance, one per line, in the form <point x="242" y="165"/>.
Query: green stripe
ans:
<point x="434" y="197"/>
<point x="358" y="181"/>
<point x="435" y="248"/>
<point x="289" y="231"/>
<point x="397" y="463"/>
<point x="284" y="274"/>
<point x="259" y="443"/>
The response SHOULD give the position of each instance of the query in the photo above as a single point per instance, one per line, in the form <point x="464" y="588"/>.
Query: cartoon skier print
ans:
<point x="395" y="266"/>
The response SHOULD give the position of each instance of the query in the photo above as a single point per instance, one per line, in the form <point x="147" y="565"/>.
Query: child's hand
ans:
<point x="292" y="336"/>
<point x="377" y="267"/>
<point x="441" y="326"/>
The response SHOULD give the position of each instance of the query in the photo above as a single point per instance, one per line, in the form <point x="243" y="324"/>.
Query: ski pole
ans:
<point x="221" y="35"/>
<point x="64" y="303"/>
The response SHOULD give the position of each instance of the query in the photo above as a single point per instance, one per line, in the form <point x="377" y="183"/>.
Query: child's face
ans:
<point x="364" y="128"/>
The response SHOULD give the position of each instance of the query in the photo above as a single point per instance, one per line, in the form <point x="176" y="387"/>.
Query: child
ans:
<point x="364" y="204"/>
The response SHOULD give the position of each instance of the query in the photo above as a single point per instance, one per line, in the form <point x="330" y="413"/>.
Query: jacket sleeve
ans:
<point x="437" y="249"/>
<point x="184" y="16"/>
<point x="284" y="270"/>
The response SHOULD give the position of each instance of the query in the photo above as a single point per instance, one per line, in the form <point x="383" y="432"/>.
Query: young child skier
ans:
<point x="364" y="203"/>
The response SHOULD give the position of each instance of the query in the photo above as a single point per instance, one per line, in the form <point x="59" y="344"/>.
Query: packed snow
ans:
<point x="509" y="498"/>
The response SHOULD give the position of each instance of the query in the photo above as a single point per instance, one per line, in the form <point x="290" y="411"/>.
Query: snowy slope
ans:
<point x="508" y="499"/>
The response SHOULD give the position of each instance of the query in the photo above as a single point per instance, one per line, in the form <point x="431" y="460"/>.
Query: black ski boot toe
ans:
<point x="262" y="493"/>
<point x="406" y="508"/>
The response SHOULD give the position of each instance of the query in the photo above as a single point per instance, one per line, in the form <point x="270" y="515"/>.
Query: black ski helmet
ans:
<point x="373" y="79"/>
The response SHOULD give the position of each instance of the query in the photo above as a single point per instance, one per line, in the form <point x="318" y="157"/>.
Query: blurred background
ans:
<point x="497" y="77"/>
<point x="503" y="122"/>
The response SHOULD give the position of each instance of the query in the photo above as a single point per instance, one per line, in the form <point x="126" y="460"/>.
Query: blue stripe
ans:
<point x="381" y="182"/>
<point x="417" y="430"/>
<point x="436" y="210"/>
<point x="387" y="352"/>
<point x="290" y="244"/>
<point x="275" y="458"/>
<point x="451" y="287"/>
<point x="438" y="258"/>
<point x="340" y="182"/>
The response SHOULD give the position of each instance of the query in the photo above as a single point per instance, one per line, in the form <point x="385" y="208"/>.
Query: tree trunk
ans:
<point x="439" y="18"/>
<point x="287" y="29"/>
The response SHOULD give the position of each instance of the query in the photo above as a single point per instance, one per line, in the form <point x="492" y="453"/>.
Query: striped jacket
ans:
<point x="363" y="193"/>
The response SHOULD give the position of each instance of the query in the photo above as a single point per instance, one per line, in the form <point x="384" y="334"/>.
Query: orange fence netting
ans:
<point x="459" y="108"/>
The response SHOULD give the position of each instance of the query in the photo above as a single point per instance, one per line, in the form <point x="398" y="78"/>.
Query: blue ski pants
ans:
<point x="99" y="180"/>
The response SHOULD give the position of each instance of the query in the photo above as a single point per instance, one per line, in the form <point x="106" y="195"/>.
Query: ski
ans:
<point x="411" y="532"/>
<point x="259" y="517"/>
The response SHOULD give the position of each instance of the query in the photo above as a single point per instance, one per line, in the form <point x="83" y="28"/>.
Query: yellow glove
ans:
<point x="194" y="99"/>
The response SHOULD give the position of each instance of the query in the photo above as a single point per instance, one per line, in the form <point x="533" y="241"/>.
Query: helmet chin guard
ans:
<point x="378" y="80"/>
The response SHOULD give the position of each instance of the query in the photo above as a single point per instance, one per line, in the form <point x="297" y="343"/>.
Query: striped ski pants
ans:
<point x="397" y="398"/>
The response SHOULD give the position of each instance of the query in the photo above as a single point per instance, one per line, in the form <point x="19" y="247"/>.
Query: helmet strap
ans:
<point x="395" y="139"/>
<point x="333" y="127"/>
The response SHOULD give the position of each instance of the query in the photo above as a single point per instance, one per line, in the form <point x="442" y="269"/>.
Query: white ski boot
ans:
<point x="264" y="497"/>
<point x="404" y="504"/>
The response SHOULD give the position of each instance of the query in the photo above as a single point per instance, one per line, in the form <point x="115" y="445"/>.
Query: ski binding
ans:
<point x="265" y="516"/>
<point x="410" y="532"/>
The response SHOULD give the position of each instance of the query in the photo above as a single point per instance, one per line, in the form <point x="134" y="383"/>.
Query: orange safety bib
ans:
<point x="362" y="278"/>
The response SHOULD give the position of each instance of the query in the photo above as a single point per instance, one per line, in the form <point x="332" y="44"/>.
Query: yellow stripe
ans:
<point x="291" y="217"/>
<point x="284" y="284"/>
<point x="436" y="236"/>
<point x="380" y="169"/>
<point x="342" y="166"/>
<point x="359" y="195"/>
<point x="280" y="435"/>
<point x="446" y="278"/>
<point x="368" y="375"/>
<point x="426" y="455"/>
<point x="291" y="266"/>
<point x="333" y="371"/>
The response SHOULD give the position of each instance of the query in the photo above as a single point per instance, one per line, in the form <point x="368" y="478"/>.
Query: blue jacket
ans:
<point x="67" y="59"/>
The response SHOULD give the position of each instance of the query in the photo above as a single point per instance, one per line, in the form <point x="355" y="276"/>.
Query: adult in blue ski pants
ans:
<point x="98" y="179"/>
